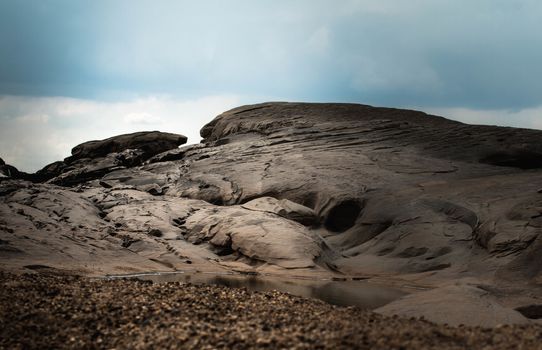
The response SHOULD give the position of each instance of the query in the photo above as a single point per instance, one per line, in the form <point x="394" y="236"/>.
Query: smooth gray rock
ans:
<point x="300" y="189"/>
<point x="396" y="191"/>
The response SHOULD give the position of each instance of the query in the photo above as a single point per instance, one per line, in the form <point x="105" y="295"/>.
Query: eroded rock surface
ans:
<point x="149" y="142"/>
<point x="449" y="305"/>
<point x="296" y="188"/>
<point x="94" y="159"/>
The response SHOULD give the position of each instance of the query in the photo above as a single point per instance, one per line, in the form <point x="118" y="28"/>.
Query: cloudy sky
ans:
<point x="74" y="70"/>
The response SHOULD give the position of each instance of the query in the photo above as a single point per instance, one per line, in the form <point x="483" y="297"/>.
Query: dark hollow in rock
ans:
<point x="224" y="250"/>
<point x="385" y="251"/>
<point x="522" y="159"/>
<point x="412" y="252"/>
<point x="310" y="199"/>
<point x="436" y="267"/>
<point x="127" y="241"/>
<point x="216" y="201"/>
<point x="443" y="251"/>
<point x="105" y="184"/>
<point x="533" y="312"/>
<point x="9" y="249"/>
<point x="343" y="216"/>
<point x="155" y="232"/>
<point x="155" y="190"/>
<point x="178" y="222"/>
<point x="37" y="267"/>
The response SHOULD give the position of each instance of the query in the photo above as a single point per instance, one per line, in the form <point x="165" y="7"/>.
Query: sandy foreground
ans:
<point x="39" y="311"/>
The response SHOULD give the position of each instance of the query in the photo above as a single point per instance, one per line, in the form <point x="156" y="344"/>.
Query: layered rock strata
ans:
<point x="297" y="188"/>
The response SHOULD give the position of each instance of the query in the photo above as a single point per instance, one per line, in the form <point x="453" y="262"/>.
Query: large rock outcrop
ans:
<point x="94" y="159"/>
<point x="319" y="189"/>
<point x="10" y="172"/>
<point x="149" y="142"/>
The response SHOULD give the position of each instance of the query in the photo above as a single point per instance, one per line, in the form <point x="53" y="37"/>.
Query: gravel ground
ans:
<point x="45" y="311"/>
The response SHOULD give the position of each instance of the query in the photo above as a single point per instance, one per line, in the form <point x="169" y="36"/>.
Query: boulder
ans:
<point x="455" y="304"/>
<point x="256" y="235"/>
<point x="285" y="208"/>
<point x="51" y="170"/>
<point x="9" y="172"/>
<point x="94" y="159"/>
<point x="150" y="142"/>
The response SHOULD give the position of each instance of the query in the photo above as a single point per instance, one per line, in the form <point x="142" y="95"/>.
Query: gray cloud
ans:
<point x="477" y="54"/>
<point x="74" y="62"/>
<point x="37" y="131"/>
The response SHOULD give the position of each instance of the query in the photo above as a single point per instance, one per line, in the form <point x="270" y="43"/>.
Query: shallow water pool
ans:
<point x="362" y="294"/>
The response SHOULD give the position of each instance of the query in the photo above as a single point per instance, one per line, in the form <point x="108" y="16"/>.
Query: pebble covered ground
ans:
<point x="40" y="311"/>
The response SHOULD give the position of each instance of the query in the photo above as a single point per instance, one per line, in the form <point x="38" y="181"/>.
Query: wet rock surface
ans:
<point x="50" y="311"/>
<point x="297" y="189"/>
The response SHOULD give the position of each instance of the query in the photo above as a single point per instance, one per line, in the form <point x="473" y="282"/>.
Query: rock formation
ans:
<point x="92" y="160"/>
<point x="8" y="171"/>
<point x="298" y="188"/>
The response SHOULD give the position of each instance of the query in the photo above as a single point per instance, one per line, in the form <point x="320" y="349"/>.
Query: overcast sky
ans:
<point x="71" y="71"/>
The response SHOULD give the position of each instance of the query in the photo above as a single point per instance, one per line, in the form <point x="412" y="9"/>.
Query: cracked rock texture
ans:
<point x="296" y="188"/>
